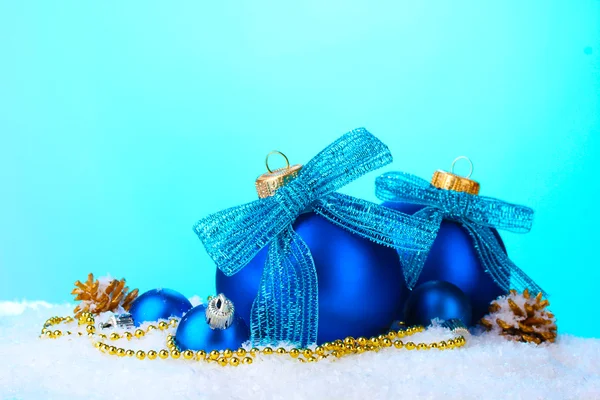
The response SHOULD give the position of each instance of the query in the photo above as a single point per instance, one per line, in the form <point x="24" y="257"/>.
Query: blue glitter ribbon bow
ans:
<point x="286" y="306"/>
<point x="477" y="214"/>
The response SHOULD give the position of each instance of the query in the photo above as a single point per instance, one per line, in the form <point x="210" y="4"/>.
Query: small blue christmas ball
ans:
<point x="194" y="333"/>
<point x="158" y="304"/>
<point x="360" y="283"/>
<point x="453" y="259"/>
<point x="437" y="299"/>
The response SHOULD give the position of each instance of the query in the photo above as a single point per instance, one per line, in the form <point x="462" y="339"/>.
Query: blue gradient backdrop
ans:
<point x="121" y="124"/>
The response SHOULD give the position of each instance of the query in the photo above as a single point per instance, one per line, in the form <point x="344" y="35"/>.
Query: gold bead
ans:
<point x="392" y="335"/>
<point x="171" y="344"/>
<point x="79" y="333"/>
<point x="69" y="319"/>
<point x="97" y="345"/>
<point x="57" y="333"/>
<point x="307" y="352"/>
<point x="89" y="321"/>
<point x="44" y="330"/>
<point x="121" y="352"/>
<point x="323" y="357"/>
<point x="188" y="354"/>
<point x="104" y="347"/>
<point x="241" y="352"/>
<point x="151" y="328"/>
<point x="374" y="341"/>
<point x="140" y="355"/>
<point x="339" y="344"/>
<point x="127" y="335"/>
<point x="294" y="353"/>
<point x="361" y="341"/>
<point x="433" y="345"/>
<point x="302" y="360"/>
<point x="103" y="336"/>
<point x="90" y="334"/>
<point x="152" y="354"/>
<point x="247" y="360"/>
<point x="175" y="354"/>
<point x="386" y="342"/>
<point x="381" y="337"/>
<point x="112" y="350"/>
<point x="336" y="353"/>
<point x="214" y="355"/>
<point x="200" y="355"/>
<point x="442" y="345"/>
<point x="398" y="344"/>
<point x="130" y="353"/>
<point x="349" y="348"/>
<point x="401" y="333"/>
<point x="450" y="344"/>
<point x="227" y="353"/>
<point x="422" y="346"/>
<point x="320" y="350"/>
<point x="163" y="354"/>
<point x="254" y="351"/>
<point x="360" y="349"/>
<point x="328" y="346"/>
<point x="173" y="322"/>
<point x="90" y="329"/>
<point x="234" y="361"/>
<point x="162" y="325"/>
<point x="349" y="340"/>
<point x="311" y="359"/>
<point x="267" y="351"/>
<point x="410" y="346"/>
<point x="114" y="336"/>
<point x="222" y="361"/>
<point x="139" y="333"/>
<point x="281" y="351"/>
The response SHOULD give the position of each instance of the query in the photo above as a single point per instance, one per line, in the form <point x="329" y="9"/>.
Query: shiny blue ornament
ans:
<point x="158" y="304"/>
<point x="286" y="301"/>
<point x="361" y="287"/>
<point x="194" y="333"/>
<point x="437" y="299"/>
<point x="453" y="259"/>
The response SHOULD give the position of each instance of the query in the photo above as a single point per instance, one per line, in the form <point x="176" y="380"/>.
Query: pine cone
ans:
<point x="521" y="318"/>
<point x="102" y="295"/>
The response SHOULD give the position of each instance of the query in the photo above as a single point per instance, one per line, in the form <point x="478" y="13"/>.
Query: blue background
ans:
<point x="122" y="124"/>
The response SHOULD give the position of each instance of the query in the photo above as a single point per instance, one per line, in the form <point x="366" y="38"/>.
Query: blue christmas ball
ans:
<point x="361" y="286"/>
<point x="194" y="333"/>
<point x="437" y="299"/>
<point x="453" y="259"/>
<point x="158" y="304"/>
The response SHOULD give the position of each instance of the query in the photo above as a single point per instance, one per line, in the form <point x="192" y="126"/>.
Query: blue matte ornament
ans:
<point x="158" y="304"/>
<point x="305" y="264"/>
<point x="194" y="333"/>
<point x="437" y="299"/>
<point x="468" y="251"/>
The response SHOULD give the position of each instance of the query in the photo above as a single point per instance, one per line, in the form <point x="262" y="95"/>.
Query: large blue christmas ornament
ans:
<point x="212" y="327"/>
<point x="468" y="251"/>
<point x="305" y="264"/>
<point x="158" y="304"/>
<point x="437" y="299"/>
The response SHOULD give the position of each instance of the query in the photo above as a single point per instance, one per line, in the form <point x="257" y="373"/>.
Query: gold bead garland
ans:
<point x="338" y="348"/>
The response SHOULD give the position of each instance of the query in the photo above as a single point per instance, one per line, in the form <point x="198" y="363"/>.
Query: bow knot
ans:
<point x="286" y="306"/>
<point x="477" y="214"/>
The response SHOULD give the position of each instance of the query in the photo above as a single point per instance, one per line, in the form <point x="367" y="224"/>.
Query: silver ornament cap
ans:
<point x="457" y="326"/>
<point x="220" y="312"/>
<point x="119" y="321"/>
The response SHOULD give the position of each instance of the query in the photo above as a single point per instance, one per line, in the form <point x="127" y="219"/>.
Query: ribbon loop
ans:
<point x="476" y="213"/>
<point x="286" y="307"/>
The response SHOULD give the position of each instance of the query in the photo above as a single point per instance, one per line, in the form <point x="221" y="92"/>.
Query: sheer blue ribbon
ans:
<point x="477" y="214"/>
<point x="286" y="306"/>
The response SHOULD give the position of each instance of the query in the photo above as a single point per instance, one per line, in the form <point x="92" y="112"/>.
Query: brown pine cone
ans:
<point x="101" y="296"/>
<point x="522" y="318"/>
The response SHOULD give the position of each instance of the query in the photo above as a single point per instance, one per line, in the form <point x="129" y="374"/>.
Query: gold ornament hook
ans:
<point x="462" y="158"/>
<point x="287" y="162"/>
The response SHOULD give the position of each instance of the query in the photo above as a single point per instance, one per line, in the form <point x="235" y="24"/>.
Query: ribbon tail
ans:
<point x="413" y="261"/>
<point x="497" y="264"/>
<point x="286" y="306"/>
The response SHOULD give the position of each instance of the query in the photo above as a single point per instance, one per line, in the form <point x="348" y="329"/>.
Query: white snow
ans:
<point x="489" y="368"/>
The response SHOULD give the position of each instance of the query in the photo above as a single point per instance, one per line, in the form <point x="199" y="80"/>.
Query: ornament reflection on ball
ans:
<point x="212" y="327"/>
<point x="437" y="299"/>
<point x="159" y="304"/>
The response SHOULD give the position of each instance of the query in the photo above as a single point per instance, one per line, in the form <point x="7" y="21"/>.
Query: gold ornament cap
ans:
<point x="451" y="181"/>
<point x="268" y="183"/>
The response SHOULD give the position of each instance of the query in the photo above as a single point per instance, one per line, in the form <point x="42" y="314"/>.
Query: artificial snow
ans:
<point x="488" y="368"/>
